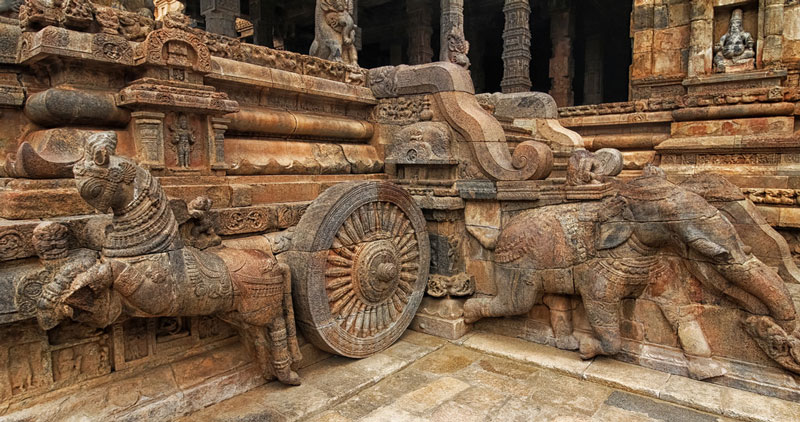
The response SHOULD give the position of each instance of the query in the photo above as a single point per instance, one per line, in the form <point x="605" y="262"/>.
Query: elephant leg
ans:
<point x="561" y="320"/>
<point x="517" y="290"/>
<point x="604" y="319"/>
<point x="668" y="292"/>
<point x="602" y="299"/>
<point x="281" y="359"/>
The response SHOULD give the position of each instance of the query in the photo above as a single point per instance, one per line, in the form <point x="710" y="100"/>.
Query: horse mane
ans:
<point x="146" y="225"/>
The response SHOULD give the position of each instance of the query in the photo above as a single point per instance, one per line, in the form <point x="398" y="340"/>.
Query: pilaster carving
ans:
<point x="516" y="47"/>
<point x="148" y="130"/>
<point x="700" y="38"/>
<point x="216" y="150"/>
<point x="454" y="46"/>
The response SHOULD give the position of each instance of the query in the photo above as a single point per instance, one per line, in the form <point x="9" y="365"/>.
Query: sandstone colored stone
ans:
<point x="535" y="354"/>
<point x="626" y="376"/>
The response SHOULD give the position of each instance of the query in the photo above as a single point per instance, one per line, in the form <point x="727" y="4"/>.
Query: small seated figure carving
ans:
<point x="592" y="168"/>
<point x="200" y="231"/>
<point x="734" y="52"/>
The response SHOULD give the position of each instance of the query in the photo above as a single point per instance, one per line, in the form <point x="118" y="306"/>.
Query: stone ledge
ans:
<point x="704" y="396"/>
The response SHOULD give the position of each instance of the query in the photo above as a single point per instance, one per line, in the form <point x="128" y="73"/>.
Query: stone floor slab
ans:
<point x="518" y="349"/>
<point x="492" y="378"/>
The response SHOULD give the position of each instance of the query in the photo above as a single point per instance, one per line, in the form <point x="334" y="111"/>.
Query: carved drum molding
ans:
<point x="360" y="263"/>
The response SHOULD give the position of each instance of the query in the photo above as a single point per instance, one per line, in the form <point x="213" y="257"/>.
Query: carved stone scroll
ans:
<point x="453" y="93"/>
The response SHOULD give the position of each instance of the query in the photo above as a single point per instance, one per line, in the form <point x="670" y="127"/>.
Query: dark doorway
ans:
<point x="601" y="51"/>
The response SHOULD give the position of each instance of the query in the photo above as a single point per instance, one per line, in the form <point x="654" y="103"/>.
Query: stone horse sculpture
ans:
<point x="146" y="270"/>
<point x="651" y="234"/>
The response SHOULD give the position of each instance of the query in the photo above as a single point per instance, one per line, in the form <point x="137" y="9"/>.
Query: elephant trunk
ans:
<point x="755" y="278"/>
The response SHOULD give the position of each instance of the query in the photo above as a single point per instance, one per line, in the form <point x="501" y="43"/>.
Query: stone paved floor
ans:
<point x="424" y="378"/>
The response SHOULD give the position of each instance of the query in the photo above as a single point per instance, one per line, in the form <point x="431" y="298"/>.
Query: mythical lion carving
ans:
<point x="335" y="32"/>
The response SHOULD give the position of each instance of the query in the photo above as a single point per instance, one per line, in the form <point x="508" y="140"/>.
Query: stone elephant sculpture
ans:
<point x="650" y="234"/>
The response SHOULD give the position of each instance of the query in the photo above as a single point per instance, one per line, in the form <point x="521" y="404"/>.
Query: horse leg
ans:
<point x="670" y="295"/>
<point x="281" y="359"/>
<point x="288" y="312"/>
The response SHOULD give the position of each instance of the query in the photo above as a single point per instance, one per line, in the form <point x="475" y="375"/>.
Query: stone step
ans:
<point x="704" y="396"/>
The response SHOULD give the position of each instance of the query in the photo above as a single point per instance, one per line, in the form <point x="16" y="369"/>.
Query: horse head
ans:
<point x="104" y="180"/>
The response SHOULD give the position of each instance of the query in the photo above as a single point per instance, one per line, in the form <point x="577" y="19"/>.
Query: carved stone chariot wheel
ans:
<point x="360" y="257"/>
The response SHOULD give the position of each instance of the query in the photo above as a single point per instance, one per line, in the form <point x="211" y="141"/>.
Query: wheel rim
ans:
<point x="360" y="264"/>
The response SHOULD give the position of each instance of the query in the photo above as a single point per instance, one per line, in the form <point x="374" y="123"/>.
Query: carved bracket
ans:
<point x="454" y="95"/>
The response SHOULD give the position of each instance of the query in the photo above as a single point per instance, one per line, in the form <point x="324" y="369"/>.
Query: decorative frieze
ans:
<point x="773" y="196"/>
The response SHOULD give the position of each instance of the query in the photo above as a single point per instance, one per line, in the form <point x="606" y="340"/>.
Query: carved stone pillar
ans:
<point x="420" y="31"/>
<point x="454" y="46"/>
<point x="562" y="66"/>
<point x="262" y="15"/>
<point x="701" y="38"/>
<point x="216" y="148"/>
<point x="516" y="47"/>
<point x="220" y="16"/>
<point x="148" y="129"/>
<point x="593" y="74"/>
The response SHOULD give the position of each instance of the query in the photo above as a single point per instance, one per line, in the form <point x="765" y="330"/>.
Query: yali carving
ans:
<point x="335" y="32"/>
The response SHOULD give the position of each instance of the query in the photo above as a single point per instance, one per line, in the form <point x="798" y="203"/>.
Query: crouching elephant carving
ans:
<point x="147" y="269"/>
<point x="651" y="235"/>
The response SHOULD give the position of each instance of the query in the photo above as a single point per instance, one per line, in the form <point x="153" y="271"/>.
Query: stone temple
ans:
<point x="399" y="210"/>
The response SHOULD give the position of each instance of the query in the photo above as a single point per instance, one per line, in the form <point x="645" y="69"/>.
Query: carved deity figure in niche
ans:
<point x="183" y="140"/>
<point x="38" y="293"/>
<point x="335" y="32"/>
<point x="734" y="52"/>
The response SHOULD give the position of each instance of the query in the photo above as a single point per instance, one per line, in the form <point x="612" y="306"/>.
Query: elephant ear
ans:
<point x="614" y="230"/>
<point x="613" y="234"/>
